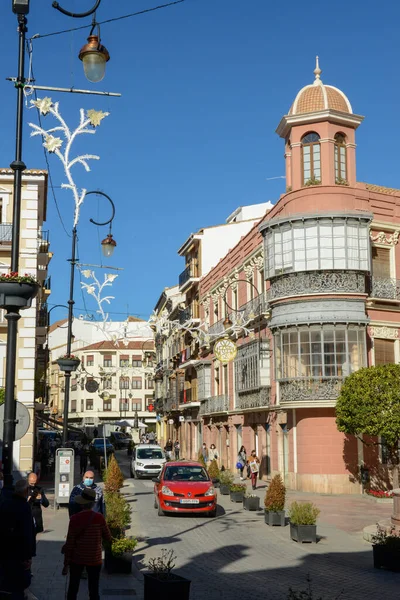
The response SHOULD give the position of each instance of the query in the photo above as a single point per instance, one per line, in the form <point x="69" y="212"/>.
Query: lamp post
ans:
<point x="71" y="303"/>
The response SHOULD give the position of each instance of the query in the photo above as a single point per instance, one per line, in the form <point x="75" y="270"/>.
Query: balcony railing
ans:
<point x="42" y="317"/>
<point x="313" y="390"/>
<point x="43" y="241"/>
<point x="5" y="233"/>
<point x="385" y="287"/>
<point x="215" y="405"/>
<point x="189" y="313"/>
<point x="253" y="400"/>
<point x="187" y="396"/>
<point x="188" y="273"/>
<point x="170" y="404"/>
<point x="47" y="283"/>
<point x="253" y="309"/>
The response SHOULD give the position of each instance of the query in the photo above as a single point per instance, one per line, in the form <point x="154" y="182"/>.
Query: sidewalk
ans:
<point x="48" y="583"/>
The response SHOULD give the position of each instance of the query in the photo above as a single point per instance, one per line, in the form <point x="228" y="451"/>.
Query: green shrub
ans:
<point x="114" y="480"/>
<point x="226" y="477"/>
<point x="303" y="513"/>
<point x="200" y="458"/>
<point x="238" y="487"/>
<point x="213" y="470"/>
<point x="121" y="545"/>
<point x="276" y="495"/>
<point x="118" y="514"/>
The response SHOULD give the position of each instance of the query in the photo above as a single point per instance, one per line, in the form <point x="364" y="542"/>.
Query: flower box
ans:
<point x="303" y="533"/>
<point x="251" y="503"/>
<point x="386" y="558"/>
<point x="122" y="563"/>
<point x="174" y="587"/>
<point x="275" y="518"/>
<point x="68" y="364"/>
<point x="236" y="496"/>
<point x="224" y="489"/>
<point x="15" y="294"/>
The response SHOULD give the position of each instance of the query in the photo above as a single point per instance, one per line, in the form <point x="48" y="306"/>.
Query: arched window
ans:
<point x="340" y="159"/>
<point x="311" y="159"/>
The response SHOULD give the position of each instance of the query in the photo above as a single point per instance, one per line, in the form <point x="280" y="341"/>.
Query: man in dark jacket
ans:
<point x="17" y="542"/>
<point x="88" y="482"/>
<point x="36" y="499"/>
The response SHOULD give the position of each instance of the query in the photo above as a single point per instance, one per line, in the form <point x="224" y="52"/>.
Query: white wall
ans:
<point x="218" y="240"/>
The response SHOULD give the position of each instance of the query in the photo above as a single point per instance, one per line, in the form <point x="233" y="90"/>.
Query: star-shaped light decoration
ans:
<point x="43" y="104"/>
<point x="90" y="289"/>
<point x="111" y="277"/>
<point x="96" y="116"/>
<point x="86" y="273"/>
<point x="52" y="143"/>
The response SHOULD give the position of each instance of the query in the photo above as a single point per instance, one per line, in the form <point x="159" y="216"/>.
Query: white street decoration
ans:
<point x="54" y="144"/>
<point x="96" y="288"/>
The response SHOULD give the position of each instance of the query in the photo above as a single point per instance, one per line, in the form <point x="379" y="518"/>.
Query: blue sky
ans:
<point x="204" y="86"/>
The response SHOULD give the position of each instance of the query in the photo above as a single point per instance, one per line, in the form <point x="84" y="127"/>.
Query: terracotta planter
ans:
<point x="175" y="588"/>
<point x="386" y="558"/>
<point x="68" y="364"/>
<point x="272" y="518"/>
<point x="17" y="295"/>
<point x="252" y="503"/>
<point x="118" y="564"/>
<point x="303" y="533"/>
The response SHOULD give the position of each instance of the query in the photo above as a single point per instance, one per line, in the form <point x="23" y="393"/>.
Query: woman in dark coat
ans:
<point x="37" y="499"/>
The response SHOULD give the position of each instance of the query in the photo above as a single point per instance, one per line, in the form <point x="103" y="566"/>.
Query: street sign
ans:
<point x="22" y="417"/>
<point x="181" y="418"/>
<point x="91" y="386"/>
<point x="64" y="477"/>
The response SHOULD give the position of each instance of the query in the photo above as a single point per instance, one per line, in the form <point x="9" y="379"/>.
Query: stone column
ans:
<point x="395" y="518"/>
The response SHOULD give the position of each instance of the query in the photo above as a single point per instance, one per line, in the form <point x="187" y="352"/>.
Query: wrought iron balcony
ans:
<point x="253" y="400"/>
<point x="186" y="396"/>
<point x="43" y="241"/>
<point x="217" y="327"/>
<point x="5" y="233"/>
<point x="189" y="313"/>
<point x="313" y="389"/>
<point x="385" y="288"/>
<point x="42" y="317"/>
<point x="170" y="404"/>
<point x="215" y="405"/>
<point x="255" y="308"/>
<point x="317" y="282"/>
<point x="190" y="272"/>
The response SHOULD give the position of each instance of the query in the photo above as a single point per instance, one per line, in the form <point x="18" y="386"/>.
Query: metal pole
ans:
<point x="13" y="315"/>
<point x="71" y="303"/>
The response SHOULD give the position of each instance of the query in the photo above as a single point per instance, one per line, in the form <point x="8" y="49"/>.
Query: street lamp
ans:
<point x="94" y="57"/>
<point x="71" y="303"/>
<point x="108" y="245"/>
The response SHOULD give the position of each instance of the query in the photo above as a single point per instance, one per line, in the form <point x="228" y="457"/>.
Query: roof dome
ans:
<point x="317" y="97"/>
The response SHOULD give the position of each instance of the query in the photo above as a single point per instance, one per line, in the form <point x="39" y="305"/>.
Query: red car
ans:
<point x="184" y="487"/>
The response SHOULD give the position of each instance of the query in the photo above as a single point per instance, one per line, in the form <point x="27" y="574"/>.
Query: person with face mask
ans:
<point x="37" y="499"/>
<point x="87" y="482"/>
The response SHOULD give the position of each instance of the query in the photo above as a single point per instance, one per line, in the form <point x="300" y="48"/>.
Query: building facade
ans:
<point x="35" y="256"/>
<point x="316" y="282"/>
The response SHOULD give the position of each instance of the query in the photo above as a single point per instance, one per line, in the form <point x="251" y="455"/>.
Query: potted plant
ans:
<point x="251" y="502"/>
<point x="303" y="519"/>
<point x="113" y="478"/>
<point x="237" y="491"/>
<point x="386" y="549"/>
<point x="214" y="473"/>
<point x="161" y="582"/>
<point x="118" y="558"/>
<point x="226" y="478"/>
<point x="68" y="362"/>
<point x="17" y="291"/>
<point x="275" y="502"/>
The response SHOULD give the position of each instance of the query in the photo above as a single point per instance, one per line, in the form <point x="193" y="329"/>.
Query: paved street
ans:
<point x="235" y="555"/>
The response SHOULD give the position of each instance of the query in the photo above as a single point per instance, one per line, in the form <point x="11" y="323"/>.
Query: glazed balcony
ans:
<point x="188" y="276"/>
<point x="214" y="405"/>
<point x="385" y="288"/>
<point x="310" y="390"/>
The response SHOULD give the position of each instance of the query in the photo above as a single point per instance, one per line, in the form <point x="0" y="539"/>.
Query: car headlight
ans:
<point x="210" y="491"/>
<point x="166" y="491"/>
<point x="138" y="464"/>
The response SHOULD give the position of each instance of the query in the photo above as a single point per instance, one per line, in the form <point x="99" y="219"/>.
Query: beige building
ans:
<point x="32" y="327"/>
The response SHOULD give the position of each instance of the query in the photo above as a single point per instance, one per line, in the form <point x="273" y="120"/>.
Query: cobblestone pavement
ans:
<point x="235" y="555"/>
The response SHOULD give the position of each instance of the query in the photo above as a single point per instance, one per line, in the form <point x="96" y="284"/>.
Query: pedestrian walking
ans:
<point x="17" y="542"/>
<point x="83" y="549"/>
<point x="212" y="453"/>
<point x="241" y="461"/>
<point x="177" y="449"/>
<point x="87" y="483"/>
<point x="168" y="448"/>
<point x="95" y="432"/>
<point x="254" y="464"/>
<point x="37" y="499"/>
<point x="204" y="452"/>
<point x="83" y="456"/>
<point x="151" y="437"/>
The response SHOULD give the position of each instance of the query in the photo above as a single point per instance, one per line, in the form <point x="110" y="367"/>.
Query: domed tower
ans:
<point x="319" y="133"/>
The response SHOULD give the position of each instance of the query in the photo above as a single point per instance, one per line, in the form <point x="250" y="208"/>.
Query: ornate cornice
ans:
<point x="385" y="238"/>
<point x="390" y="333"/>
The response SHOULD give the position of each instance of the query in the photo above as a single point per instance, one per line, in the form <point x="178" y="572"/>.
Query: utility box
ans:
<point x="64" y="477"/>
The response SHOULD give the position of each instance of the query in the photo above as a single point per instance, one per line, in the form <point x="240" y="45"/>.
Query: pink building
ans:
<point x="318" y="278"/>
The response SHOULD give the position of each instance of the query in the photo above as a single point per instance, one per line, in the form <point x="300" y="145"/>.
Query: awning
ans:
<point x="128" y="423"/>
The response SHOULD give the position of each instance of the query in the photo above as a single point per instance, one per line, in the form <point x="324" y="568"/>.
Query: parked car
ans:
<point x="147" y="459"/>
<point x="119" y="440"/>
<point x="184" y="487"/>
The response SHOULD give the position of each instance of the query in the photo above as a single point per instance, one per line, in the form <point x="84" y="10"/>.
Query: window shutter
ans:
<point x="124" y="356"/>
<point x="384" y="351"/>
<point x="137" y="357"/>
<point x="107" y="356"/>
<point x="90" y="357"/>
<point x="380" y="262"/>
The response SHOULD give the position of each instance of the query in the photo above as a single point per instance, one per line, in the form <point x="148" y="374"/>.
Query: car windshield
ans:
<point x="100" y="442"/>
<point x="151" y="453"/>
<point x="185" y="473"/>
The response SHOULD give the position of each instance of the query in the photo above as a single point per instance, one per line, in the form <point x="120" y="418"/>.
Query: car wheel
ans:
<point x="136" y="475"/>
<point x="161" y="513"/>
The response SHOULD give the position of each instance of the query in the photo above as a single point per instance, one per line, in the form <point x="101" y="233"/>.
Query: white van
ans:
<point x="147" y="459"/>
